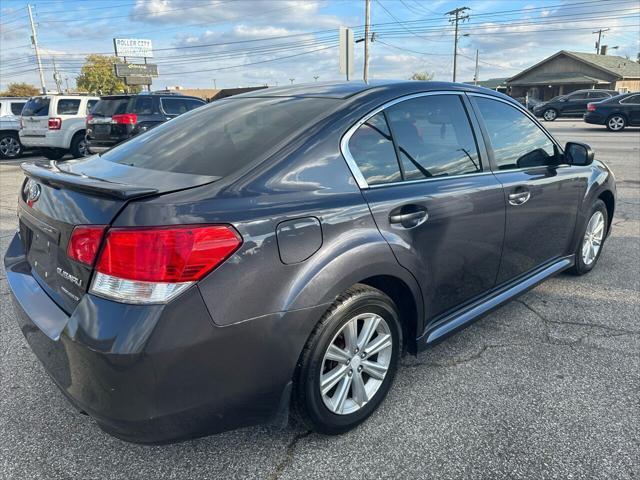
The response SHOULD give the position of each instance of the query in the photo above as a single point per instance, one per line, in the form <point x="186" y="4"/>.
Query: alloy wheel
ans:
<point x="355" y="363"/>
<point x="550" y="115"/>
<point x="9" y="147"/>
<point x="616" y="123"/>
<point x="593" y="236"/>
<point x="82" y="148"/>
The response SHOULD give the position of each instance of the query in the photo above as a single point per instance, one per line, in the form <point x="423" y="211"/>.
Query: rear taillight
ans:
<point x="591" y="107"/>
<point x="84" y="243"/>
<point x="89" y="118"/>
<point x="153" y="265"/>
<point x="125" y="119"/>
<point x="55" y="123"/>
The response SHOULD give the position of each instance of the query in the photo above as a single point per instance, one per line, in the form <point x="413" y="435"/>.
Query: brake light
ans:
<point x="84" y="243"/>
<point x="125" y="119"/>
<point x="154" y="264"/>
<point x="89" y="118"/>
<point x="55" y="123"/>
<point x="591" y="107"/>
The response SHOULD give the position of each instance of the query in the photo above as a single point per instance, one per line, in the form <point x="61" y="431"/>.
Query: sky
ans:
<point x="276" y="42"/>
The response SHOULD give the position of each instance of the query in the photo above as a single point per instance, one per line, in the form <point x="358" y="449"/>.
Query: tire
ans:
<point x="53" y="153"/>
<point x="360" y="305"/>
<point x="598" y="215"/>
<point x="616" y="123"/>
<point x="550" y="114"/>
<point x="10" y="146"/>
<point x="79" y="146"/>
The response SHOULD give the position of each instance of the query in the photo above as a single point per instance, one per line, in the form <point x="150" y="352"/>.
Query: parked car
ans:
<point x="529" y="102"/>
<point x="56" y="124"/>
<point x="572" y="105"/>
<point x="616" y="113"/>
<point x="117" y="118"/>
<point x="288" y="246"/>
<point x="10" y="108"/>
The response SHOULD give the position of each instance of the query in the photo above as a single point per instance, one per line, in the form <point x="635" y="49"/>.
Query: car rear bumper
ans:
<point x="155" y="374"/>
<point x="594" y="118"/>
<point x="49" y="139"/>
<point x="95" y="147"/>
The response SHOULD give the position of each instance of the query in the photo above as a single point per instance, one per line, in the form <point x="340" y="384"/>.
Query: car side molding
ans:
<point x="463" y="317"/>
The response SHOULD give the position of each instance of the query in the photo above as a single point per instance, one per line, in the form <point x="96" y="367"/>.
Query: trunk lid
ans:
<point x="56" y="198"/>
<point x="101" y="124"/>
<point x="35" y="117"/>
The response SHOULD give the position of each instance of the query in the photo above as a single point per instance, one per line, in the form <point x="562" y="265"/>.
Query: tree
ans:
<point x="421" y="76"/>
<point x="98" y="76"/>
<point x="21" y="89"/>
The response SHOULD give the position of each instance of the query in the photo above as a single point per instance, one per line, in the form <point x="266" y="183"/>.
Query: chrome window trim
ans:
<point x="351" y="163"/>
<point x="433" y="179"/>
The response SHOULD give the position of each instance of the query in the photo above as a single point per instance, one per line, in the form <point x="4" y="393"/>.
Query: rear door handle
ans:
<point x="519" y="198"/>
<point x="409" y="219"/>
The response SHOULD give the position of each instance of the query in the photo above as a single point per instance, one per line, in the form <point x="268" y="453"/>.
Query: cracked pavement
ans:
<point x="548" y="386"/>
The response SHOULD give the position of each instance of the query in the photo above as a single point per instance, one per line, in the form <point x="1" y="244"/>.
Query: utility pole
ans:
<point x="56" y="76"/>
<point x="215" y="86"/>
<point x="599" y="42"/>
<point x="66" y="81"/>
<point x="34" y="41"/>
<point x="475" y="75"/>
<point x="291" y="80"/>
<point x="457" y="15"/>
<point x="367" y="20"/>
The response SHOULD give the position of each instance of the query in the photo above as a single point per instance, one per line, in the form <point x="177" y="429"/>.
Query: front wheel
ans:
<point x="590" y="247"/>
<point x="349" y="362"/>
<point x="53" y="153"/>
<point x="10" y="146"/>
<point x="550" y="115"/>
<point x="616" y="123"/>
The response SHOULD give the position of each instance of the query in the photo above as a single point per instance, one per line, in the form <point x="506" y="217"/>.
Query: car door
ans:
<point x="432" y="196"/>
<point x="542" y="193"/>
<point x="631" y="108"/>
<point x="576" y="104"/>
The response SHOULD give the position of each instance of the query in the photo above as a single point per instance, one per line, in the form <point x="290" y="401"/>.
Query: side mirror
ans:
<point x="578" y="153"/>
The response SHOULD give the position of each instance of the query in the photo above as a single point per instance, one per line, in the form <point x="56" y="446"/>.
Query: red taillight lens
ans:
<point x="84" y="243"/>
<point x="55" y="123"/>
<point x="591" y="107"/>
<point x="89" y="118"/>
<point x="166" y="254"/>
<point x="125" y="119"/>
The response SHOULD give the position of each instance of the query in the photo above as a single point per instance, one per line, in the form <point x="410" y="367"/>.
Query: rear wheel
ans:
<point x="550" y="114"/>
<point x="590" y="247"/>
<point x="79" y="145"/>
<point x="53" y="153"/>
<point x="10" y="146"/>
<point x="616" y="123"/>
<point x="349" y="362"/>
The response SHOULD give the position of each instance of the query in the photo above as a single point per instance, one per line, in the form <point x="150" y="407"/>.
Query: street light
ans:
<point x="291" y="80"/>
<point x="316" y="77"/>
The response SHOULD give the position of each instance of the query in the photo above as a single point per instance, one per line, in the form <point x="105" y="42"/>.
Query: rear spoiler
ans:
<point x="50" y="174"/>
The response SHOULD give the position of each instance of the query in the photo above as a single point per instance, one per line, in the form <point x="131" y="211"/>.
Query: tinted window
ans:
<point x="174" y="106"/>
<point x="222" y="137"/>
<point x="516" y="140"/>
<point x="36" y="107"/>
<point x="107" y="107"/>
<point x="91" y="104"/>
<point x="633" y="99"/>
<point x="577" y="96"/>
<point x="68" y="106"/>
<point x="16" y="108"/>
<point x="598" y="95"/>
<point x="143" y="106"/>
<point x="434" y="137"/>
<point x="372" y="149"/>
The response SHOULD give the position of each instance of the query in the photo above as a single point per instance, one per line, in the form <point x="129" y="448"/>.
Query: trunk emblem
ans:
<point x="32" y="191"/>
<point x="67" y="276"/>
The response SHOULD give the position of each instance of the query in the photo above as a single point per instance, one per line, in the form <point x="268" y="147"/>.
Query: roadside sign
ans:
<point x="346" y="51"/>
<point x="136" y="70"/>
<point x="137" y="80"/>
<point x="133" y="47"/>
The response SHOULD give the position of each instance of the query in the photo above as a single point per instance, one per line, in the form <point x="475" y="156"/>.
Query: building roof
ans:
<point x="491" y="83"/>
<point x="611" y="64"/>
<point x="559" y="78"/>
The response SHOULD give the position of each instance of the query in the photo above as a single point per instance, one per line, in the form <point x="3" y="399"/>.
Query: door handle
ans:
<point x="519" y="198"/>
<point x="409" y="219"/>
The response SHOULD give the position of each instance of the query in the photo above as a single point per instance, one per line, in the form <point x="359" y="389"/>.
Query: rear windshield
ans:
<point x="36" y="107"/>
<point x="106" y="107"/>
<point x="220" y="138"/>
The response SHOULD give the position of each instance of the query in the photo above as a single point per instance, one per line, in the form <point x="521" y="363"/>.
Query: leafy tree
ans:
<point x="98" y="76"/>
<point x="421" y="76"/>
<point x="21" y="89"/>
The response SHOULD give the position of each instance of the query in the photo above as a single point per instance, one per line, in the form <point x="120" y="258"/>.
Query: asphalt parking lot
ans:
<point x="546" y="387"/>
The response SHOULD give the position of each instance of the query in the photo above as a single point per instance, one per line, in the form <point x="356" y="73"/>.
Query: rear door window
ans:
<point x="143" y="106"/>
<point x="16" y="107"/>
<point x="174" y="106"/>
<point x="68" y="106"/>
<point x="599" y="95"/>
<point x="633" y="99"/>
<point x="36" y="107"/>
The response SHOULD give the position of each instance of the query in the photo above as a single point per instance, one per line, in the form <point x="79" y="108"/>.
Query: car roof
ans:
<point x="146" y="94"/>
<point x="344" y="90"/>
<point x="10" y="99"/>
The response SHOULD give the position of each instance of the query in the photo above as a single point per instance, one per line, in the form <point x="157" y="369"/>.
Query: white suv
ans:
<point x="10" y="108"/>
<point x="56" y="124"/>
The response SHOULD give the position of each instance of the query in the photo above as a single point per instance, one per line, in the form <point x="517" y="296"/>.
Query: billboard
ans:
<point x="136" y="70"/>
<point x="133" y="47"/>
<point x="137" y="80"/>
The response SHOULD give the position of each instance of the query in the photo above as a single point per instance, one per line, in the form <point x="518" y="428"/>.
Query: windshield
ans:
<point x="222" y="137"/>
<point x="107" y="107"/>
<point x="36" y="107"/>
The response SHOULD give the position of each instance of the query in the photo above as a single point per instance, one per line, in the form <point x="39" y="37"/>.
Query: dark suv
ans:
<point x="571" y="105"/>
<point x="290" y="245"/>
<point x="116" y="118"/>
